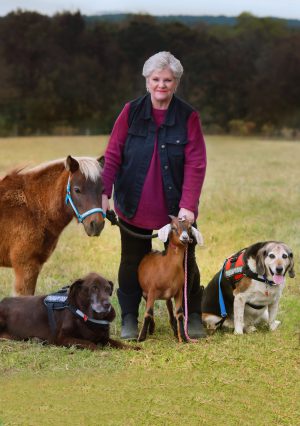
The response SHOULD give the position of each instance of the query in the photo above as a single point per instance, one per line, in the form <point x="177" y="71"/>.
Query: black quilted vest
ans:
<point x="138" y="151"/>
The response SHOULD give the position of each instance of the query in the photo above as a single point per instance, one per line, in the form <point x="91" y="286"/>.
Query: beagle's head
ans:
<point x="274" y="260"/>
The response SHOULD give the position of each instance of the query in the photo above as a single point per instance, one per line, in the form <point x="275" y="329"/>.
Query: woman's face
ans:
<point x="161" y="85"/>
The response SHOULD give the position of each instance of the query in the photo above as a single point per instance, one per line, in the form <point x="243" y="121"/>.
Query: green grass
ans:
<point x="251" y="193"/>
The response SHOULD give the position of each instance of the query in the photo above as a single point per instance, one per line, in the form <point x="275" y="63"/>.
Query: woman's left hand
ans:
<point x="189" y="215"/>
<point x="105" y="203"/>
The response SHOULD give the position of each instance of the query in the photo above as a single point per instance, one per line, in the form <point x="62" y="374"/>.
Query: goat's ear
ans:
<point x="111" y="287"/>
<point x="101" y="161"/>
<point x="260" y="262"/>
<point x="197" y="234"/>
<point x="71" y="164"/>
<point x="291" y="267"/>
<point x="163" y="232"/>
<point x="75" y="288"/>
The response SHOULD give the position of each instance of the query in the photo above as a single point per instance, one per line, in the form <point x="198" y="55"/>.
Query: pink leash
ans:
<point x="186" y="316"/>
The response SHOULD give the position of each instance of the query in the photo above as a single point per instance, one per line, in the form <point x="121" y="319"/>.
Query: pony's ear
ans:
<point x="75" y="287"/>
<point x="111" y="286"/>
<point x="260" y="262"/>
<point x="163" y="232"/>
<point x="72" y="165"/>
<point x="291" y="267"/>
<point x="101" y="161"/>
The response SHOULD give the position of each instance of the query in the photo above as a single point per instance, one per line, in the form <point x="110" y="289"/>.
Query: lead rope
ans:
<point x="186" y="316"/>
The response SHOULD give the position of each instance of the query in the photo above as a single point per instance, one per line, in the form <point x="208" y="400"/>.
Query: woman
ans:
<point x="156" y="161"/>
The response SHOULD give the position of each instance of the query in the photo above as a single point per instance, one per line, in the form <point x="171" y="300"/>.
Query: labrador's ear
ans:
<point x="75" y="287"/>
<point x="164" y="232"/>
<point x="260" y="262"/>
<point x="291" y="266"/>
<point x="198" y="236"/>
<point x="111" y="287"/>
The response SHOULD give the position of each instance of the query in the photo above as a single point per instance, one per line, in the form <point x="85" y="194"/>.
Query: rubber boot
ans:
<point x="129" y="304"/>
<point x="196" y="329"/>
<point x="129" y="328"/>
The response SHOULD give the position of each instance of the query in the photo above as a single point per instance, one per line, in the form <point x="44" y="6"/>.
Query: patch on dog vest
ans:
<point x="57" y="300"/>
<point x="234" y="267"/>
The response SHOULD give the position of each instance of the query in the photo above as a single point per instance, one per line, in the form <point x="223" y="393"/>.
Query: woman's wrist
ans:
<point x="105" y="203"/>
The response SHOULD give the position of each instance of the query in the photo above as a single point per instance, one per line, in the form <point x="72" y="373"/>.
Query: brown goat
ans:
<point x="161" y="276"/>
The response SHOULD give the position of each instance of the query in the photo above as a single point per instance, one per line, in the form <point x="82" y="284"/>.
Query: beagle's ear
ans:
<point x="111" y="287"/>
<point x="75" y="287"/>
<point x="291" y="266"/>
<point x="164" y="232"/>
<point x="198" y="236"/>
<point x="260" y="262"/>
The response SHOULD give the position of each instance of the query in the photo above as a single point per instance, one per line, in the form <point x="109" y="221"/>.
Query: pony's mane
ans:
<point x="88" y="166"/>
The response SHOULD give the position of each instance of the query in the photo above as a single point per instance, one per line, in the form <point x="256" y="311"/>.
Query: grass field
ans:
<point x="251" y="193"/>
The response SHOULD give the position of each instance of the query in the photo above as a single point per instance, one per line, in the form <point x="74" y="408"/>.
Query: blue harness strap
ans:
<point x="221" y="298"/>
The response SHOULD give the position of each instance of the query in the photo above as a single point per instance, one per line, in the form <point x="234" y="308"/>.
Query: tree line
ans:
<point x="65" y="73"/>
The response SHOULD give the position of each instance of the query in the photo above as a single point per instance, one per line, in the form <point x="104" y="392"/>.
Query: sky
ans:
<point x="260" y="8"/>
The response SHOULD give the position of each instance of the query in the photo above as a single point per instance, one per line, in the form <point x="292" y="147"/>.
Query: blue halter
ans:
<point x="79" y="216"/>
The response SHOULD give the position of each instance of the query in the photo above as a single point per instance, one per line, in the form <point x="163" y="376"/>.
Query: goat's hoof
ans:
<point x="141" y="338"/>
<point x="183" y="338"/>
<point x="174" y="327"/>
<point x="151" y="327"/>
<point x="181" y="333"/>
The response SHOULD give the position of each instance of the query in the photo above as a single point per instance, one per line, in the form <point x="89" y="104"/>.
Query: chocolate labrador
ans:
<point x="76" y="316"/>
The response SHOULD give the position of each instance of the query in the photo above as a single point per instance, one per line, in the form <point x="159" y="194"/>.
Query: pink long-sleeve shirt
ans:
<point x="152" y="210"/>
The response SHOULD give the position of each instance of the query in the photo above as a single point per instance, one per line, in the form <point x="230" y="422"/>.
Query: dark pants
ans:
<point x="132" y="251"/>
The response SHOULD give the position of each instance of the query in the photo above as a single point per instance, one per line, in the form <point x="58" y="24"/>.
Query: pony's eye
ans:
<point x="284" y="256"/>
<point x="77" y="190"/>
<point x="272" y="256"/>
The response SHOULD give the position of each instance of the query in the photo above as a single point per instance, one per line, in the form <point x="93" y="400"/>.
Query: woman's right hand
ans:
<point x="105" y="203"/>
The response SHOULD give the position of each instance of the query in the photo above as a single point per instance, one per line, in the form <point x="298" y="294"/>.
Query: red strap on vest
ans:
<point x="238" y="263"/>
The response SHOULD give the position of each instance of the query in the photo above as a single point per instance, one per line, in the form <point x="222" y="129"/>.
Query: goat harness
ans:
<point x="59" y="301"/>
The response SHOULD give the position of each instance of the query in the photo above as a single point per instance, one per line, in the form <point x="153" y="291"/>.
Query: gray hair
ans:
<point x="160" y="61"/>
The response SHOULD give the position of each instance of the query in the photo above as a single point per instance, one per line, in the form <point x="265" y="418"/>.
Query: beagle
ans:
<point x="248" y="288"/>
